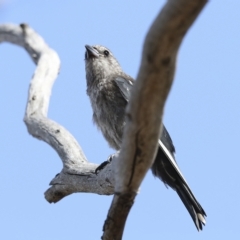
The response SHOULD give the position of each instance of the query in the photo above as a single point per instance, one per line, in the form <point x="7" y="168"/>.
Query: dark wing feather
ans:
<point x="125" y="86"/>
<point x="165" y="141"/>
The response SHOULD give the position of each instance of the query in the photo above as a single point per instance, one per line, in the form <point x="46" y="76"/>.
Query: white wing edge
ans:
<point x="171" y="159"/>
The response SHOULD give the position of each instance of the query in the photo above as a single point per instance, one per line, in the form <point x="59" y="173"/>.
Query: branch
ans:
<point x="77" y="175"/>
<point x="148" y="97"/>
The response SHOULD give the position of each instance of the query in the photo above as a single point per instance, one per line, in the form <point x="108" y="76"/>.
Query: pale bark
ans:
<point x="77" y="175"/>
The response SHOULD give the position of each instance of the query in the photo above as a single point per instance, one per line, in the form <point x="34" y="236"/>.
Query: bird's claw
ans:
<point x="103" y="164"/>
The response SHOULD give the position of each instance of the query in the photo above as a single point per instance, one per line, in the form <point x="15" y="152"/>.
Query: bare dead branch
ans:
<point x="77" y="175"/>
<point x="149" y="94"/>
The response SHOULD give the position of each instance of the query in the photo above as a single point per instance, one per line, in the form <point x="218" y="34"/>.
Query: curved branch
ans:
<point x="149" y="94"/>
<point x="77" y="175"/>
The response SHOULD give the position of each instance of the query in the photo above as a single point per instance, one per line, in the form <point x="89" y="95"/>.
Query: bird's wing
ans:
<point x="165" y="141"/>
<point x="125" y="86"/>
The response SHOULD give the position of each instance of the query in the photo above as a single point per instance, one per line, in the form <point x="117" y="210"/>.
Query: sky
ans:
<point x="202" y="114"/>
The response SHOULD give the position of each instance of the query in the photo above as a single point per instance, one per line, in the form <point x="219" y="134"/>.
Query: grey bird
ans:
<point x="109" y="88"/>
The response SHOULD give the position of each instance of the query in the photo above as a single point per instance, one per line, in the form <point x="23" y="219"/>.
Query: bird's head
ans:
<point x="100" y="63"/>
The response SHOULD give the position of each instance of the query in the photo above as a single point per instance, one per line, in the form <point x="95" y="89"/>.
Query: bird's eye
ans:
<point x="106" y="53"/>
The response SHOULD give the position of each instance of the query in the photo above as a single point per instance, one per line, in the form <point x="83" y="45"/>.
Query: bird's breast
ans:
<point x="108" y="113"/>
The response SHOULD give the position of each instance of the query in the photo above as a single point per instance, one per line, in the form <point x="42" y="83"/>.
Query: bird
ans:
<point x="109" y="90"/>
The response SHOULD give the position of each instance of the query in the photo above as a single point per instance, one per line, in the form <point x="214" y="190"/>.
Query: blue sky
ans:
<point x="202" y="115"/>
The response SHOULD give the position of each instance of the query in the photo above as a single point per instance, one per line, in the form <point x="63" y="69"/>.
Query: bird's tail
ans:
<point x="194" y="208"/>
<point x="166" y="168"/>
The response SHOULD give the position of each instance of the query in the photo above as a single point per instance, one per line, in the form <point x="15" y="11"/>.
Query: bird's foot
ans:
<point x="104" y="164"/>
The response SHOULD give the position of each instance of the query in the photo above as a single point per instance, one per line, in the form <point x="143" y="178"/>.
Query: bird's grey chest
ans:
<point x="108" y="111"/>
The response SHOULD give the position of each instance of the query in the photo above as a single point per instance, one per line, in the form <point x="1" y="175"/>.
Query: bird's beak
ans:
<point x="91" y="52"/>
